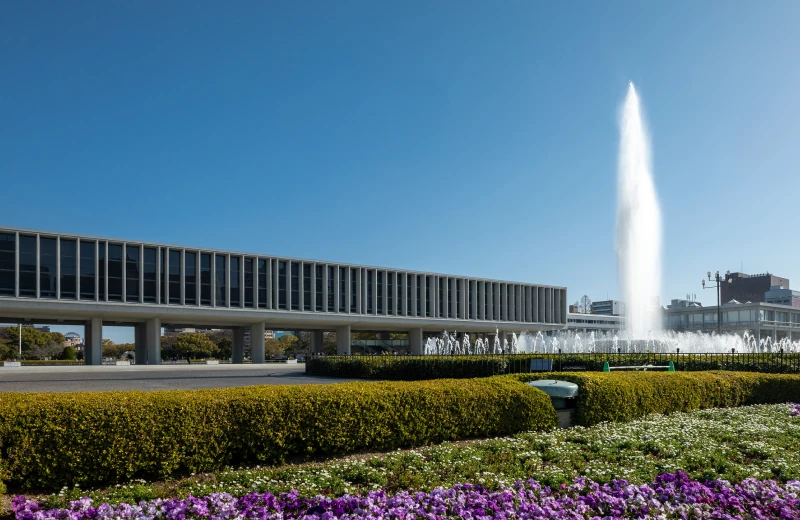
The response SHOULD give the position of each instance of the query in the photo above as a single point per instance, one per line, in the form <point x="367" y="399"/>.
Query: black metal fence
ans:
<point x="431" y="367"/>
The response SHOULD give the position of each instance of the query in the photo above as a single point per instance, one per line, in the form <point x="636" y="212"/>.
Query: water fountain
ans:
<point x="639" y="270"/>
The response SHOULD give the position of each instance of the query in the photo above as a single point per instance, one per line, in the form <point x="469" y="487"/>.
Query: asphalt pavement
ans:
<point x="152" y="377"/>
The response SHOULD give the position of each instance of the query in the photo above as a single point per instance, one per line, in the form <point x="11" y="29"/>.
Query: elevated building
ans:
<point x="94" y="281"/>
<point x="750" y="288"/>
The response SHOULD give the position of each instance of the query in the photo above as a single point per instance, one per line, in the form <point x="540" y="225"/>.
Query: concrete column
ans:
<point x="153" y="342"/>
<point x="519" y="313"/>
<point x="183" y="275"/>
<point x="316" y="341"/>
<point x="348" y="289"/>
<point x="93" y="342"/>
<point x="480" y="311"/>
<point x="386" y="293"/>
<point x="238" y="345"/>
<point x="375" y="291"/>
<point x="496" y="301"/>
<point x="301" y="285"/>
<point x="257" y="342"/>
<point x="415" y="341"/>
<point x="325" y="283"/>
<point x="139" y="333"/>
<point x="453" y="297"/>
<point x="404" y="295"/>
<point x="165" y="257"/>
<point x="360" y="303"/>
<point x="343" y="340"/>
<point x="276" y="284"/>
<point x="413" y="281"/>
<point x="337" y="289"/>
<point x="423" y="303"/>
<point x="364" y="305"/>
<point x="473" y="298"/>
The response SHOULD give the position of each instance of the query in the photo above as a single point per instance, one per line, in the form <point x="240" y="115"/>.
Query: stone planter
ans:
<point x="212" y="362"/>
<point x="12" y="364"/>
<point x="123" y="363"/>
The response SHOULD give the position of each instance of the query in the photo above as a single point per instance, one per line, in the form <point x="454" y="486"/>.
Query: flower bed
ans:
<point x="733" y="444"/>
<point x="668" y="496"/>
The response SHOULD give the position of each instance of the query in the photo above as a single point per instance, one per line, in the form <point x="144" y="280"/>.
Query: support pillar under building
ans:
<point x="415" y="341"/>
<point x="93" y="342"/>
<point x="316" y="341"/>
<point x="238" y="345"/>
<point x="343" y="340"/>
<point x="257" y="342"/>
<point x="153" y="341"/>
<point x="140" y="350"/>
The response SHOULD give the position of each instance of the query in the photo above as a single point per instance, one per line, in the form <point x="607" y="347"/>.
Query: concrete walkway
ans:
<point x="152" y="377"/>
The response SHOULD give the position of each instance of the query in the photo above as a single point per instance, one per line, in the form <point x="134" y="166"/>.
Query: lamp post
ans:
<point x="718" y="287"/>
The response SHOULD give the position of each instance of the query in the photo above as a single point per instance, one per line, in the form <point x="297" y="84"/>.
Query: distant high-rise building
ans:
<point x="609" y="308"/>
<point x="750" y="288"/>
<point x="782" y="296"/>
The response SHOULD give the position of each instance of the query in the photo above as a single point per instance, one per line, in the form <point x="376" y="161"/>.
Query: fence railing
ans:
<point x="435" y="366"/>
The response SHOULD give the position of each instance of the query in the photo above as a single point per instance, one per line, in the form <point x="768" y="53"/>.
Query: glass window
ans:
<point x="174" y="277"/>
<point x="162" y="255"/>
<point x="262" y="283"/>
<point x="419" y="295"/>
<point x="27" y="265"/>
<point x="47" y="267"/>
<point x="318" y="281"/>
<point x="459" y="285"/>
<point x="234" y="281"/>
<point x="190" y="279"/>
<point x="295" y="295"/>
<point x="132" y="273"/>
<point x="408" y="295"/>
<point x="390" y="293"/>
<point x="471" y="309"/>
<point x="342" y="290"/>
<point x="353" y="290"/>
<point x="282" y="284"/>
<point x="8" y="262"/>
<point x="248" y="282"/>
<point x="115" y="272"/>
<point x="205" y="279"/>
<point x="429" y="291"/>
<point x="88" y="280"/>
<point x="307" y="287"/>
<point x="331" y="288"/>
<point x="369" y="307"/>
<point x="380" y="291"/>
<point x="219" y="281"/>
<point x="400" y="294"/>
<point x="69" y="269"/>
<point x="442" y="299"/>
<point x="150" y="273"/>
<point x="449" y="299"/>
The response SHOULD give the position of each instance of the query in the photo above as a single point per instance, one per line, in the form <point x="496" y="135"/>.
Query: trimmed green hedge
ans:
<point x="624" y="396"/>
<point x="51" y="440"/>
<point x="417" y="368"/>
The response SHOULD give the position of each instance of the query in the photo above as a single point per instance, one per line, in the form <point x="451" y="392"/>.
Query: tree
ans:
<point x="115" y="351"/>
<point x="49" y="351"/>
<point x="68" y="353"/>
<point x="195" y="346"/>
<point x="274" y="347"/>
<point x="585" y="305"/>
<point x="225" y="346"/>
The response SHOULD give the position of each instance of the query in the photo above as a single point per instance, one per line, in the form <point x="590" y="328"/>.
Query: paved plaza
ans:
<point x="152" y="377"/>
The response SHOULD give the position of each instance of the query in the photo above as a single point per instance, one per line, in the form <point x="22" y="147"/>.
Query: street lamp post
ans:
<point x="718" y="287"/>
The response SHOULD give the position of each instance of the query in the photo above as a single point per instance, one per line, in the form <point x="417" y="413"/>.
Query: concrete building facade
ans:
<point x="609" y="308"/>
<point x="93" y="281"/>
<point x="759" y="319"/>
<point x="750" y="288"/>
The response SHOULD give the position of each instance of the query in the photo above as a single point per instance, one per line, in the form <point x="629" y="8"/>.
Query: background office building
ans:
<point x="92" y="281"/>
<point x="750" y="288"/>
<point x="609" y="308"/>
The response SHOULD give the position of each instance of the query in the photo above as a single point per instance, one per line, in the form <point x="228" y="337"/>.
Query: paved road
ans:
<point x="160" y="377"/>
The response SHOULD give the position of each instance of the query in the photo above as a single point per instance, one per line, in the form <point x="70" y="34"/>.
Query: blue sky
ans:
<point x="477" y="138"/>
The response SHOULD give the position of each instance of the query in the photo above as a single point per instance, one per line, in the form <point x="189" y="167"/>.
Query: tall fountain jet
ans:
<point x="638" y="224"/>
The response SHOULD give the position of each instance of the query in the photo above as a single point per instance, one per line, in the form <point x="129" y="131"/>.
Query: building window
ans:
<point x="8" y="262"/>
<point x="381" y="274"/>
<point x="401" y="308"/>
<point x="342" y="290"/>
<point x="408" y="295"/>
<point x="219" y="279"/>
<point x="307" y="287"/>
<point x="115" y="272"/>
<point x="282" y="285"/>
<point x="235" y="273"/>
<point x="69" y="268"/>
<point x="88" y="279"/>
<point x="295" y="287"/>
<point x="205" y="279"/>
<point x="471" y="309"/>
<point x="353" y="290"/>
<point x="262" y="284"/>
<point x="190" y="279"/>
<point x="132" y="273"/>
<point x="27" y="265"/>
<point x="428" y="300"/>
<point x="150" y="274"/>
<point x="370" y="308"/>
<point x="442" y="298"/>
<point x="174" y="277"/>
<point x="331" y="288"/>
<point x="502" y="302"/>
<point x="318" y="287"/>
<point x="162" y="260"/>
<point x="248" y="283"/>
<point x="48" y="261"/>
<point x="392" y="278"/>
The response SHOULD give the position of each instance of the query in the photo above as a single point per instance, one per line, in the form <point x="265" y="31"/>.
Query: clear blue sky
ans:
<point x="477" y="138"/>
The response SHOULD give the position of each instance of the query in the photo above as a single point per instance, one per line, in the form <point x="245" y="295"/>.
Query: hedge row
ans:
<point x="416" y="368"/>
<point x="624" y="396"/>
<point x="51" y="440"/>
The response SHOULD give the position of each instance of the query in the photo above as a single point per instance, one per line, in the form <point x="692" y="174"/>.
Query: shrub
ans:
<point x="52" y="440"/>
<point x="68" y="354"/>
<point x="415" y="368"/>
<point x="623" y="396"/>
